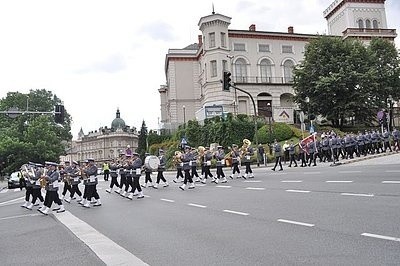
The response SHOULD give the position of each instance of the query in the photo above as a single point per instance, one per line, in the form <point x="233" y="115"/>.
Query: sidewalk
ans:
<point x="363" y="158"/>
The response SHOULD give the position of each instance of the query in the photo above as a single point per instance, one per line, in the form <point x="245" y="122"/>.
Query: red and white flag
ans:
<point x="303" y="143"/>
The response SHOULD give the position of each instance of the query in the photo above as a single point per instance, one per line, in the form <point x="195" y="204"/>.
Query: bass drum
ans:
<point x="152" y="162"/>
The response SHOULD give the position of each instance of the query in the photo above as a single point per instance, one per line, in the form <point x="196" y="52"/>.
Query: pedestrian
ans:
<point x="261" y="152"/>
<point x="106" y="170"/>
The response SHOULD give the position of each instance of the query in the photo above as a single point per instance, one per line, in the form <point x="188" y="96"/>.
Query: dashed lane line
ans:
<point x="20" y="216"/>
<point x="397" y="239"/>
<point x="4" y="190"/>
<point x="221" y="186"/>
<point x="167" y="200"/>
<point x="107" y="250"/>
<point x="292" y="181"/>
<point x="255" y="188"/>
<point x="295" y="222"/>
<point x="339" y="181"/>
<point x="392" y="171"/>
<point x="236" y="212"/>
<point x="349" y="172"/>
<point x="391" y="182"/>
<point x="357" y="195"/>
<point x="252" y="181"/>
<point x="197" y="205"/>
<point x="312" y="173"/>
<point x="297" y="191"/>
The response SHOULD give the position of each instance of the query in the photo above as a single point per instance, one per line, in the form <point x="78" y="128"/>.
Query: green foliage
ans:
<point x="142" y="141"/>
<point x="280" y="131"/>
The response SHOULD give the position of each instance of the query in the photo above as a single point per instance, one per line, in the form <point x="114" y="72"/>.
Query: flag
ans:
<point x="303" y="143"/>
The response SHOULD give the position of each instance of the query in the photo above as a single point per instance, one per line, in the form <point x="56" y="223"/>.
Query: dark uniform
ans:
<point x="161" y="169"/>
<point x="136" y="168"/>
<point x="278" y="155"/>
<point x="52" y="178"/>
<point x="186" y="159"/>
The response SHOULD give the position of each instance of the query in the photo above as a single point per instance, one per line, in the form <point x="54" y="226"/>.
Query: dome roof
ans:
<point x="118" y="122"/>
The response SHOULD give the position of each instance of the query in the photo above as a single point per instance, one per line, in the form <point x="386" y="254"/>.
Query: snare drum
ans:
<point x="152" y="162"/>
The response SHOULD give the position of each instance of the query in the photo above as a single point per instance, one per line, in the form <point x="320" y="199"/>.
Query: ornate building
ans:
<point x="105" y="143"/>
<point x="261" y="63"/>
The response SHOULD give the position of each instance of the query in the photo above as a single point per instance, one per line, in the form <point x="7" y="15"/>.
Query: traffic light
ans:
<point x="59" y="114"/>
<point x="226" y="84"/>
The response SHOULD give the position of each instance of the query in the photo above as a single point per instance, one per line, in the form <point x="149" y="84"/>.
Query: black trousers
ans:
<point x="136" y="184"/>
<point x="85" y="192"/>
<point x="67" y="187"/>
<point x="129" y="182"/>
<point x="235" y="168"/>
<point x="194" y="171"/>
<point x="188" y="177"/>
<point x="92" y="192"/>
<point x="179" y="173"/>
<point x="106" y="174"/>
<point x="248" y="168"/>
<point x="37" y="194"/>
<point x="28" y="193"/>
<point x="207" y="172"/>
<point x="278" y="160"/>
<point x="303" y="159"/>
<point x="122" y="181"/>
<point x="75" y="189"/>
<point x="292" y="160"/>
<point x="313" y="159"/>
<point x="52" y="196"/>
<point x="160" y="176"/>
<point x="114" y="181"/>
<point x="220" y="172"/>
<point x="147" y="177"/>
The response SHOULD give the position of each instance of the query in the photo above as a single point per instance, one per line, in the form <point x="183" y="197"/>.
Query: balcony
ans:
<point x="364" y="32"/>
<point x="262" y="80"/>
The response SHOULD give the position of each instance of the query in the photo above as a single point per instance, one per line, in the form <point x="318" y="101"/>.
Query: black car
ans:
<point x="13" y="180"/>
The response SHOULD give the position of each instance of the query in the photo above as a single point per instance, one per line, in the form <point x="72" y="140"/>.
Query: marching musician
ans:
<point x="178" y="164"/>
<point x="186" y="159"/>
<point x="136" y="167"/>
<point x="73" y="172"/>
<point x="247" y="152"/>
<point x="193" y="165"/>
<point x="292" y="154"/>
<point x="114" y="175"/>
<point x="207" y="157"/>
<point x="91" y="172"/>
<point x="26" y="177"/>
<point x="122" y="177"/>
<point x="220" y="157"/>
<point x="66" y="179"/>
<point x="278" y="155"/>
<point x="161" y="169"/>
<point x="128" y="175"/>
<point x="147" y="171"/>
<point x="235" y="154"/>
<point x="36" y="188"/>
<point x="52" y="176"/>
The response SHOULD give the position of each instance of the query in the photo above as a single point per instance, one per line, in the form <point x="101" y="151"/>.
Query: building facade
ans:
<point x="261" y="63"/>
<point x="104" y="144"/>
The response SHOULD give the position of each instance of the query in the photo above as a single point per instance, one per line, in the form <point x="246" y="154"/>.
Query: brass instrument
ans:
<point x="177" y="159"/>
<point x="42" y="179"/>
<point x="243" y="149"/>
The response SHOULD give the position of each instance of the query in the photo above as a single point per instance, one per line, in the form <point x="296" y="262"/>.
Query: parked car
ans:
<point x="13" y="180"/>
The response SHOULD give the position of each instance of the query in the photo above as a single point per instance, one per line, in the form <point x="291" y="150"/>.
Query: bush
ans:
<point x="280" y="131"/>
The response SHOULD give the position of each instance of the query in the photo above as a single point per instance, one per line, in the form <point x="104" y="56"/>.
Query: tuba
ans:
<point x="42" y="179"/>
<point x="243" y="149"/>
<point x="177" y="159"/>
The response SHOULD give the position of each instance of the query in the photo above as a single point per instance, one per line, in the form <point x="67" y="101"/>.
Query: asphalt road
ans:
<point x="344" y="215"/>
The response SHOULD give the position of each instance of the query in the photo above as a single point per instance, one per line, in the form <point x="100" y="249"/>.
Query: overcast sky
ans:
<point x="100" y="55"/>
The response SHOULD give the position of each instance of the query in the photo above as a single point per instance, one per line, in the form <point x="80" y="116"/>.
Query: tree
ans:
<point x="31" y="137"/>
<point x="142" y="142"/>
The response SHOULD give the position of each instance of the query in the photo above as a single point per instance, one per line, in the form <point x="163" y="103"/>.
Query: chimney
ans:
<point x="252" y="27"/>
<point x="290" y="29"/>
<point x="200" y="38"/>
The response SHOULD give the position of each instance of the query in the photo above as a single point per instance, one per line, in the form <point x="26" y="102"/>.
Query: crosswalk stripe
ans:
<point x="4" y="190"/>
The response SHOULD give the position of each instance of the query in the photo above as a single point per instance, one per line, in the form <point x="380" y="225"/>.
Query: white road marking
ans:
<point x="20" y="216"/>
<point x="392" y="171"/>
<point x="252" y="181"/>
<point x="312" y="173"/>
<point x="383" y="182"/>
<point x="146" y="196"/>
<point x="294" y="222"/>
<point x="358" y="195"/>
<point x="349" y="172"/>
<point x="382" y="237"/>
<point x="292" y="181"/>
<point x="106" y="249"/>
<point x="255" y="188"/>
<point x="235" y="212"/>
<point x="223" y="186"/>
<point x="168" y="200"/>
<point x="197" y="205"/>
<point x="13" y="201"/>
<point x="4" y="190"/>
<point x="298" y="191"/>
<point x="200" y="185"/>
<point x="17" y="189"/>
<point x="339" y="181"/>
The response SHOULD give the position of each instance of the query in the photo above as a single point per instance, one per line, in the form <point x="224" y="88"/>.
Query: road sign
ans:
<point x="13" y="112"/>
<point x="183" y="141"/>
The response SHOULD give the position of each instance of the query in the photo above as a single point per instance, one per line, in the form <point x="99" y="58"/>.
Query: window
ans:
<point x="239" y="47"/>
<point x="263" y="48"/>
<point x="266" y="70"/>
<point x="288" y="71"/>
<point x="368" y="24"/>
<point x="287" y="49"/>
<point x="212" y="39"/>
<point x="240" y="70"/>
<point x="224" y="65"/>
<point x="223" y="39"/>
<point x="375" y="24"/>
<point x="213" y="68"/>
<point x="360" y="23"/>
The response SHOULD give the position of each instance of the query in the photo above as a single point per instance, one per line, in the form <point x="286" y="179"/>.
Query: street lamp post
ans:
<point x="390" y="99"/>
<point x="184" y="116"/>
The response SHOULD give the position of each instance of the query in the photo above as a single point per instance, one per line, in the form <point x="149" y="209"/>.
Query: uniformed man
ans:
<point x="278" y="155"/>
<point x="386" y="141"/>
<point x="73" y="172"/>
<point x="220" y="157"/>
<point x="91" y="173"/>
<point x="65" y="177"/>
<point x="161" y="169"/>
<point x="114" y="175"/>
<point x="193" y="165"/>
<point x="186" y="159"/>
<point x="396" y="138"/>
<point x="247" y="154"/>
<point x="292" y="154"/>
<point x="235" y="154"/>
<point x="207" y="164"/>
<point x="311" y="153"/>
<point x="147" y="172"/>
<point x="136" y="167"/>
<point x="52" y="177"/>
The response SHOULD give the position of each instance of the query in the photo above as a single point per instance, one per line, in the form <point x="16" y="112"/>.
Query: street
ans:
<point x="343" y="215"/>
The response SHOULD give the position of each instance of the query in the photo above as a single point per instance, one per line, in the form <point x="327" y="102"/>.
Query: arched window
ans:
<point x="240" y="70"/>
<point x="266" y="70"/>
<point x="368" y="24"/>
<point x="360" y="23"/>
<point x="375" y="24"/>
<point x="288" y="66"/>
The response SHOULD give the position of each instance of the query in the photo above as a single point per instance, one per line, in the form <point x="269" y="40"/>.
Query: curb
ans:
<point x="364" y="158"/>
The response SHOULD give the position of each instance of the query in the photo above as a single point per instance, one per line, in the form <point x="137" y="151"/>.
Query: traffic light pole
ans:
<point x="255" y="117"/>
